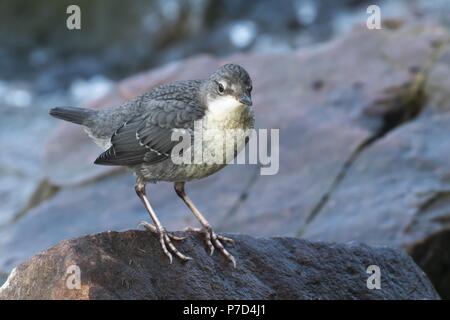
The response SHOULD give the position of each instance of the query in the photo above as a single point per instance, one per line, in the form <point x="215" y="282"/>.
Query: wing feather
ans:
<point x="148" y="138"/>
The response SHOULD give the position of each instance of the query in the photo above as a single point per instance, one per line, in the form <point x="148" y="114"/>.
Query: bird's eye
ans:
<point x="220" y="87"/>
<point x="250" y="89"/>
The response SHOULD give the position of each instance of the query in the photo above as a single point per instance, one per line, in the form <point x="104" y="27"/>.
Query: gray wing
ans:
<point x="146" y="138"/>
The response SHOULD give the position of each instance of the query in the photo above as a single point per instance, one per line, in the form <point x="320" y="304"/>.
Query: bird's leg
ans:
<point x="213" y="240"/>
<point x="164" y="237"/>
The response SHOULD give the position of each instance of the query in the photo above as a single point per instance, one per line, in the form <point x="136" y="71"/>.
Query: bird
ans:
<point x="138" y="135"/>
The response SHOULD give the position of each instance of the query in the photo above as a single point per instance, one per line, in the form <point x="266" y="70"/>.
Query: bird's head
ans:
<point x="230" y="86"/>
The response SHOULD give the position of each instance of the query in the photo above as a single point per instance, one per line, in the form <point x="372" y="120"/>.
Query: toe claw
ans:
<point x="169" y="255"/>
<point x="233" y="260"/>
<point x="225" y="239"/>
<point x="174" y="249"/>
<point x="165" y="241"/>
<point x="147" y="226"/>
<point x="176" y="238"/>
<point x="213" y="241"/>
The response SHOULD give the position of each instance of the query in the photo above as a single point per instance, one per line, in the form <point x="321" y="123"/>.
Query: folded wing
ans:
<point x="147" y="138"/>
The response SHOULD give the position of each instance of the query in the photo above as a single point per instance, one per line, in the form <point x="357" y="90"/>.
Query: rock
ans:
<point x="400" y="178"/>
<point x="131" y="265"/>
<point x="397" y="190"/>
<point x="20" y="171"/>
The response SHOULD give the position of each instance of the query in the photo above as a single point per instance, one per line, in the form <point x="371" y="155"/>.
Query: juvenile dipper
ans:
<point x="138" y="135"/>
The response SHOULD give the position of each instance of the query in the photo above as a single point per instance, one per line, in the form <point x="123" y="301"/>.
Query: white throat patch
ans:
<point x="222" y="106"/>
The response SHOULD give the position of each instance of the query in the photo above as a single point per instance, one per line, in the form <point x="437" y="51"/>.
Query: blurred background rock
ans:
<point x="43" y="64"/>
<point x="119" y="39"/>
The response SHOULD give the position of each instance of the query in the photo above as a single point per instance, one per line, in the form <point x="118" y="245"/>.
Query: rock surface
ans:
<point x="130" y="265"/>
<point x="119" y="44"/>
<point x="397" y="190"/>
<point x="20" y="173"/>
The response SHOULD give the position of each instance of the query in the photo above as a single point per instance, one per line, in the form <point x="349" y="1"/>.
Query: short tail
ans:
<point x="71" y="114"/>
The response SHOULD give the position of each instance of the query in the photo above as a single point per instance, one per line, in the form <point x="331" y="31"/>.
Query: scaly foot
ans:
<point x="165" y="239"/>
<point x="213" y="240"/>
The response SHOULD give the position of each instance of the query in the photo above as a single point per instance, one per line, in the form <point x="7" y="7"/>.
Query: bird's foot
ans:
<point x="213" y="240"/>
<point x="165" y="239"/>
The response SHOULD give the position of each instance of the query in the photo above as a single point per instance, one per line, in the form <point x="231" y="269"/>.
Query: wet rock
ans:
<point x="400" y="177"/>
<point x="130" y="265"/>
<point x="397" y="191"/>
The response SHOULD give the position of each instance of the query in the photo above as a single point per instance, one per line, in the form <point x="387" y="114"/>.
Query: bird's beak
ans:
<point x="245" y="99"/>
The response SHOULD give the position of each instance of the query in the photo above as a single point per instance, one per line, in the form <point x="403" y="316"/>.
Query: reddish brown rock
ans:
<point x="131" y="265"/>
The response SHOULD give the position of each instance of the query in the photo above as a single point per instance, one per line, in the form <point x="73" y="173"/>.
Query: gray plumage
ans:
<point x="145" y="125"/>
<point x="138" y="135"/>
